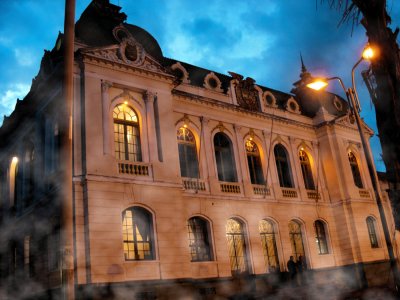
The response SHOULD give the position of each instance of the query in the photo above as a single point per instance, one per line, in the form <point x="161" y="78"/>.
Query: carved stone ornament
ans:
<point x="246" y="93"/>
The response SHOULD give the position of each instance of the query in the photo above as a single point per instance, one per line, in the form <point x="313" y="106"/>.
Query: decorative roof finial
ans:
<point x="303" y="67"/>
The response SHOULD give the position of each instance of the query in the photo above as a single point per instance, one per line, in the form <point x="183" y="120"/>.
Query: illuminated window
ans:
<point x="237" y="246"/>
<point x="268" y="240"/>
<point x="306" y="170"/>
<point x="126" y="134"/>
<point x="355" y="170"/>
<point x="296" y="239"/>
<point x="372" y="232"/>
<point x="254" y="162"/>
<point x="14" y="182"/>
<point x="320" y="237"/>
<point x="187" y="153"/>
<point x="137" y="231"/>
<point x="199" y="239"/>
<point x="224" y="158"/>
<point x="283" y="167"/>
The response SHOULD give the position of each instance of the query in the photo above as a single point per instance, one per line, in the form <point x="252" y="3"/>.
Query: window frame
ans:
<point x="191" y="170"/>
<point x="285" y="181"/>
<point x="292" y="236"/>
<point x="372" y="234"/>
<point x="238" y="240"/>
<point x="321" y="237"/>
<point x="355" y="169"/>
<point x="267" y="257"/>
<point x="137" y="154"/>
<point x="225" y="174"/>
<point x="135" y="241"/>
<point x="306" y="170"/>
<point x="254" y="163"/>
<point x="206" y="240"/>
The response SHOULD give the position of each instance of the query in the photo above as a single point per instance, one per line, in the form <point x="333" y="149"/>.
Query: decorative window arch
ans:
<point x="306" y="170"/>
<point x="371" y="225"/>
<point x="199" y="239"/>
<point x="283" y="166"/>
<point x="320" y="237"/>
<point x="138" y="236"/>
<point x="296" y="239"/>
<point x="254" y="162"/>
<point x="237" y="246"/>
<point x="188" y="161"/>
<point x="355" y="170"/>
<point x="268" y="241"/>
<point x="126" y="133"/>
<point x="224" y="158"/>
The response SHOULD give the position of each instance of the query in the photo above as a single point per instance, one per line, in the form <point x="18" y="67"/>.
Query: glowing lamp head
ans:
<point x="14" y="160"/>
<point x="368" y="53"/>
<point x="317" y="84"/>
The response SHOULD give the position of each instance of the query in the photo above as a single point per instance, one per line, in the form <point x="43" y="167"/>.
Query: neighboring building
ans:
<point x="184" y="180"/>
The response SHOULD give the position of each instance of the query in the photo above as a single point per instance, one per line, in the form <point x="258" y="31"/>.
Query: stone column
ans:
<point x="105" y="101"/>
<point x="151" y="126"/>
<point x="209" y="155"/>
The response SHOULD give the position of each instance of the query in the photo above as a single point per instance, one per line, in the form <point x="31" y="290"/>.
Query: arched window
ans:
<point x="268" y="241"/>
<point x="372" y="232"/>
<point x="237" y="246"/>
<point x="199" y="239"/>
<point x="126" y="134"/>
<point x="320" y="237"/>
<point x="187" y="153"/>
<point x="254" y="162"/>
<point x="355" y="170"/>
<point x="306" y="170"/>
<point x="283" y="167"/>
<point x="224" y="158"/>
<point x="14" y="179"/>
<point x="296" y="239"/>
<point x="137" y="231"/>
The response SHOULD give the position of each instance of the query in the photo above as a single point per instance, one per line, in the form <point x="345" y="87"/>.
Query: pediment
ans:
<point x="128" y="53"/>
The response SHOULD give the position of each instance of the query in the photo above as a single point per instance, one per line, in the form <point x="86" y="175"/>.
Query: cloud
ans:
<point x="25" y="57"/>
<point x="9" y="96"/>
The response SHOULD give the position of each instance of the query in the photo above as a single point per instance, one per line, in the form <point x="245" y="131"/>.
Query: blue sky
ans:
<point x="261" y="39"/>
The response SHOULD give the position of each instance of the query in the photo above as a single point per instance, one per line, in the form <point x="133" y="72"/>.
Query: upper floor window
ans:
<point x="320" y="237"/>
<point x="126" y="134"/>
<point x="372" y="232"/>
<point x="237" y="246"/>
<point x="224" y="158"/>
<point x="199" y="239"/>
<point x="268" y="240"/>
<point x="296" y="239"/>
<point x="355" y="170"/>
<point x="306" y="170"/>
<point x="283" y="167"/>
<point x="254" y="162"/>
<point x="137" y="231"/>
<point x="29" y="175"/>
<point x="13" y="188"/>
<point x="187" y="153"/>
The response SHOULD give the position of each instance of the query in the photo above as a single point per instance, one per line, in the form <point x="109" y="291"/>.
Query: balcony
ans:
<point x="134" y="168"/>
<point x="289" y="193"/>
<point x="364" y="193"/>
<point x="311" y="194"/>
<point x="193" y="184"/>
<point x="261" y="190"/>
<point x="230" y="187"/>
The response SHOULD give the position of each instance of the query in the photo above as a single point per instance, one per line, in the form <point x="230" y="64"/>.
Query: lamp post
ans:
<point x="354" y="105"/>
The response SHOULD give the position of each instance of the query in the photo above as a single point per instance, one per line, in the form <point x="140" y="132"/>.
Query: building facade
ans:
<point x="182" y="177"/>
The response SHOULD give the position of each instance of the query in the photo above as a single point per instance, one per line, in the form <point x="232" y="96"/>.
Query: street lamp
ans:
<point x="355" y="108"/>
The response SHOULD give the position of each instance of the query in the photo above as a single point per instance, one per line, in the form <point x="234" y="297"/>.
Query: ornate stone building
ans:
<point x="185" y="180"/>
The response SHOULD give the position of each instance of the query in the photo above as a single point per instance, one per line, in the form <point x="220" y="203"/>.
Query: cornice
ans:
<point x="183" y="96"/>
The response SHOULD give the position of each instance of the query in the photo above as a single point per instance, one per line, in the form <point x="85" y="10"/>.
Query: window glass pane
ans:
<point x="320" y="238"/>
<point x="254" y="163"/>
<point x="372" y="233"/>
<point x="199" y="240"/>
<point x="236" y="247"/>
<point x="187" y="153"/>
<point x="306" y="170"/>
<point x="268" y="242"/>
<point x="282" y="166"/>
<point x="355" y="170"/>
<point x="296" y="239"/>
<point x="137" y="229"/>
<point x="224" y="158"/>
